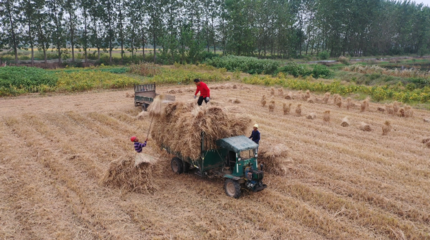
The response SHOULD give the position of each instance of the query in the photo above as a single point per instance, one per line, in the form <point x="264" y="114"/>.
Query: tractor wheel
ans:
<point x="145" y="107"/>
<point x="232" y="188"/>
<point x="177" y="165"/>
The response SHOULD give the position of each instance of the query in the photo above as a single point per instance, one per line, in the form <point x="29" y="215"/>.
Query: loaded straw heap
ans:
<point x="180" y="125"/>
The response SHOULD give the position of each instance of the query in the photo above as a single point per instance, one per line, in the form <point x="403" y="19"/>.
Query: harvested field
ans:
<point x="338" y="183"/>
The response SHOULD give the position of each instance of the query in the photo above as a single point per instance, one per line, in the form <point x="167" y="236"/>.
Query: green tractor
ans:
<point x="234" y="159"/>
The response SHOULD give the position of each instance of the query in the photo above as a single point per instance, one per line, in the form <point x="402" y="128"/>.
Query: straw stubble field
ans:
<point x="340" y="182"/>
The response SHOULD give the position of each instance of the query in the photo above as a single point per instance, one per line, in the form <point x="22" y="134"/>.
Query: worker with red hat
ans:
<point x="137" y="145"/>
<point x="205" y="92"/>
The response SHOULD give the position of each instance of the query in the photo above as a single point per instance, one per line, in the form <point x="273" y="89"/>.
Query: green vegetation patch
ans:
<point x="249" y="65"/>
<point x="20" y="80"/>
<point x="378" y="93"/>
<point x="185" y="75"/>
<point x="24" y="77"/>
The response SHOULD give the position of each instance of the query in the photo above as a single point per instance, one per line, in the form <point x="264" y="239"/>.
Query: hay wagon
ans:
<point x="234" y="159"/>
<point x="144" y="95"/>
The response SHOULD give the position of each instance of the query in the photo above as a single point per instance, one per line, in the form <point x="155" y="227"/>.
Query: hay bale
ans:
<point x="310" y="101"/>
<point x="381" y="109"/>
<point x="237" y="101"/>
<point x="335" y="98"/>
<point x="132" y="95"/>
<point x="234" y="86"/>
<point x="345" y="122"/>
<point x="339" y="102"/>
<point x="127" y="95"/>
<point x="289" y="96"/>
<point x="317" y="100"/>
<point x="365" y="127"/>
<point x="326" y="116"/>
<point x="363" y="106"/>
<point x="409" y="112"/>
<point x="311" y="116"/>
<point x="179" y="91"/>
<point x="230" y="100"/>
<point x="274" y="157"/>
<point x="389" y="109"/>
<point x="299" y="110"/>
<point x="427" y="144"/>
<point x="272" y="91"/>
<point x="303" y="97"/>
<point x="286" y="108"/>
<point x="386" y="128"/>
<point x="281" y="92"/>
<point x="123" y="174"/>
<point x="426" y="120"/>
<point x="263" y="101"/>
<point x="396" y="107"/>
<point x="348" y="103"/>
<point x="402" y="112"/>
<point x="326" y="98"/>
<point x="426" y="140"/>
<point x="180" y="125"/>
<point x="307" y="94"/>
<point x="272" y="106"/>
<point x="171" y="91"/>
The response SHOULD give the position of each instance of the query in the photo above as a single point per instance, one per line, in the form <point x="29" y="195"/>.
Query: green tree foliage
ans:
<point x="187" y="30"/>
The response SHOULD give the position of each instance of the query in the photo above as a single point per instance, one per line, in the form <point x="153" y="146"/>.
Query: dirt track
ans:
<point x="342" y="183"/>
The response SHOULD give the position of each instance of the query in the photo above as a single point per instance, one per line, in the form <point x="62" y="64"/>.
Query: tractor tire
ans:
<point x="177" y="166"/>
<point x="232" y="188"/>
<point x="145" y="107"/>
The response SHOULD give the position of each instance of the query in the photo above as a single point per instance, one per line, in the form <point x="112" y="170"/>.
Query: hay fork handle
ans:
<point x="149" y="129"/>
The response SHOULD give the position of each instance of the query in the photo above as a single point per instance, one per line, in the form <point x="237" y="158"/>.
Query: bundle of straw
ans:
<point x="274" y="157"/>
<point x="123" y="174"/>
<point x="386" y="128"/>
<point x="311" y="116"/>
<point x="155" y="107"/>
<point x="345" y="122"/>
<point x="365" y="127"/>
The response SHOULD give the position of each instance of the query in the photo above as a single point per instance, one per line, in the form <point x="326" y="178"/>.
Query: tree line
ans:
<point x="191" y="30"/>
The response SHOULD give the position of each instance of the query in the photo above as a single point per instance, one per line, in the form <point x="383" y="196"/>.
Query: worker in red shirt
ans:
<point x="205" y="92"/>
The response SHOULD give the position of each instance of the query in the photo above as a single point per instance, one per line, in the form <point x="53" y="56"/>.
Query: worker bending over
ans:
<point x="205" y="92"/>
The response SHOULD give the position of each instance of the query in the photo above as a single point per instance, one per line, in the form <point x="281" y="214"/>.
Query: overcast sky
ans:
<point x="426" y="2"/>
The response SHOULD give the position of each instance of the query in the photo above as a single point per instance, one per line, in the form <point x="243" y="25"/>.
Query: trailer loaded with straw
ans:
<point x="210" y="141"/>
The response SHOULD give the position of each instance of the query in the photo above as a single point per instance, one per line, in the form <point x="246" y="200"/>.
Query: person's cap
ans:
<point x="256" y="125"/>
<point x="196" y="80"/>
<point x="133" y="138"/>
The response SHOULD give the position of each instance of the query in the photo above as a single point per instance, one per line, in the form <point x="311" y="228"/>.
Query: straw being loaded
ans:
<point x="180" y="125"/>
<point x="274" y="157"/>
<point x="123" y="174"/>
